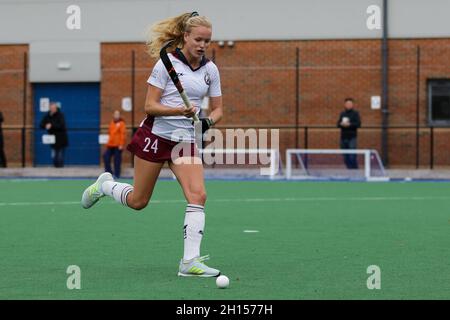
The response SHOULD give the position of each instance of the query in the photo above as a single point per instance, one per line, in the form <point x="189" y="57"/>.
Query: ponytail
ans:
<point x="173" y="29"/>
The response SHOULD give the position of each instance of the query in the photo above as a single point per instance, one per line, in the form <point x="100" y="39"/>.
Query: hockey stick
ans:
<point x="173" y="75"/>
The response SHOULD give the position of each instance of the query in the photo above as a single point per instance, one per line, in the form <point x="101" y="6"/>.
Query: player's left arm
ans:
<point x="215" y="99"/>
<point x="216" y="109"/>
<point x="215" y="114"/>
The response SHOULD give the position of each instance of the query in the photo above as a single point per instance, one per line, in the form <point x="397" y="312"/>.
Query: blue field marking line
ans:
<point x="224" y="178"/>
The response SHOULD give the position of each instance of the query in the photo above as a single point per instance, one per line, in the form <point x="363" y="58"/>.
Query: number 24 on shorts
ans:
<point x="154" y="145"/>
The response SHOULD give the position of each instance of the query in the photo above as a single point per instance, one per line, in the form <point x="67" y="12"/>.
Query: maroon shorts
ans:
<point x="153" y="148"/>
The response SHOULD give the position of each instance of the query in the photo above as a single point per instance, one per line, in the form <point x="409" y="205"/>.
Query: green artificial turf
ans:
<point x="315" y="240"/>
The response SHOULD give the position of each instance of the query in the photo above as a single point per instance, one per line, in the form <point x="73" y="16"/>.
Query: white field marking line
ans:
<point x="251" y="231"/>
<point x="49" y="203"/>
<point x="330" y="199"/>
<point x="62" y="203"/>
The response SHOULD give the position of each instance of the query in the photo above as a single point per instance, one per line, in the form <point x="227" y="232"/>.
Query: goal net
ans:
<point x="263" y="163"/>
<point x="334" y="164"/>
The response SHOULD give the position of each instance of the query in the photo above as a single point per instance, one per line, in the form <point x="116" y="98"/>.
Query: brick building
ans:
<point x="269" y="79"/>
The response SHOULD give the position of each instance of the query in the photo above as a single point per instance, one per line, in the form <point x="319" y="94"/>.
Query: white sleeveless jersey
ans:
<point x="204" y="81"/>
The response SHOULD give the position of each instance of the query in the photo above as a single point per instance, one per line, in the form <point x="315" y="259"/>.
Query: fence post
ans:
<point x="24" y="116"/>
<point x="417" y="107"/>
<point x="384" y="86"/>
<point x="306" y="138"/>
<point x="133" y="76"/>
<point x="297" y="93"/>
<point x="431" y="147"/>
<point x="306" y="146"/>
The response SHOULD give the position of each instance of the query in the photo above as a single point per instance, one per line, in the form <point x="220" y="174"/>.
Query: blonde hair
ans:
<point x="173" y="29"/>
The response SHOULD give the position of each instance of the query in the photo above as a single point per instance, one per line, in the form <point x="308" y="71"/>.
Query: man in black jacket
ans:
<point x="55" y="124"/>
<point x="349" y="122"/>
<point x="2" y="151"/>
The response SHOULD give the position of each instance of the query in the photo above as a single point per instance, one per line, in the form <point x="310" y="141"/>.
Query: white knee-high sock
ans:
<point x="119" y="191"/>
<point x="194" y="224"/>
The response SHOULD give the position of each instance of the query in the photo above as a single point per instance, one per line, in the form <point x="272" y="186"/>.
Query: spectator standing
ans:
<point x="116" y="142"/>
<point x="55" y="124"/>
<point x="349" y="122"/>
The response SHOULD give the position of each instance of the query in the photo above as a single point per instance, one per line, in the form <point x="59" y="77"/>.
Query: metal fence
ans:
<point x="423" y="147"/>
<point x="296" y="86"/>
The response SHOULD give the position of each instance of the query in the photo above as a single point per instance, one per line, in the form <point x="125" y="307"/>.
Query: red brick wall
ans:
<point x="258" y="83"/>
<point x="12" y="60"/>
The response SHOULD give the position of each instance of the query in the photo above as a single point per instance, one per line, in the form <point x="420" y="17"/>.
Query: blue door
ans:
<point x="80" y="104"/>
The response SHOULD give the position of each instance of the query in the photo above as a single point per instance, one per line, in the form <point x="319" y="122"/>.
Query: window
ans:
<point x="439" y="102"/>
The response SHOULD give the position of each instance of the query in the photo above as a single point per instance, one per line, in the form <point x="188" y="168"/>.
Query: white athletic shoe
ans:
<point x="196" y="268"/>
<point x="94" y="192"/>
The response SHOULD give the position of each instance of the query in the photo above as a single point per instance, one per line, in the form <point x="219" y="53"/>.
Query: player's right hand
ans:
<point x="187" y="112"/>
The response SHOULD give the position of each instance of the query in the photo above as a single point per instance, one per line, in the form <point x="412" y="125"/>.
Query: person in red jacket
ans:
<point x="116" y="142"/>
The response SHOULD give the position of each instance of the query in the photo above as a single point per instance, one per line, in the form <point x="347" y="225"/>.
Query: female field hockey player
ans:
<point x="169" y="123"/>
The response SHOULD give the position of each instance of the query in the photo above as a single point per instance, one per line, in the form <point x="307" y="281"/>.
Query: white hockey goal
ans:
<point x="335" y="164"/>
<point x="266" y="161"/>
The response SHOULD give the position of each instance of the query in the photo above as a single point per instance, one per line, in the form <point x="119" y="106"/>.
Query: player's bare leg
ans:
<point x="145" y="176"/>
<point x="189" y="174"/>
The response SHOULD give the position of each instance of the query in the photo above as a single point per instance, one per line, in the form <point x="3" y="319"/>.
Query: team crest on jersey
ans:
<point x="207" y="78"/>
